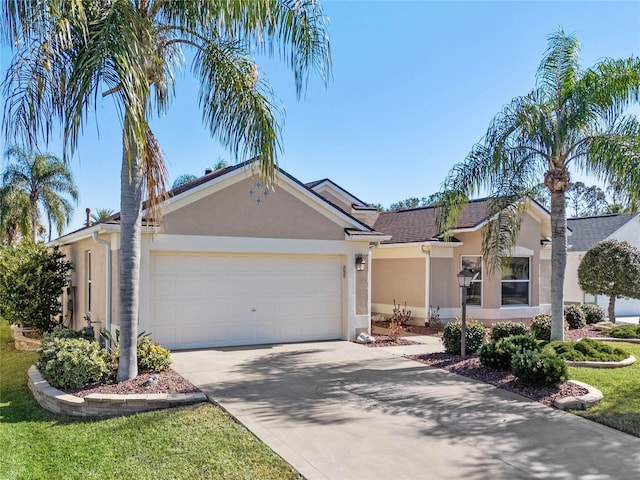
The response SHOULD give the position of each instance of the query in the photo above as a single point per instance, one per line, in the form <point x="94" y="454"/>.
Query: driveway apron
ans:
<point x="337" y="410"/>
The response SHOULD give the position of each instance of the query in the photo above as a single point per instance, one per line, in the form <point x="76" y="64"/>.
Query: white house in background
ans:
<point x="588" y="231"/>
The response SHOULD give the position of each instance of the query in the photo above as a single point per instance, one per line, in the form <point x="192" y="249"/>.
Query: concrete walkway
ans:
<point x="337" y="410"/>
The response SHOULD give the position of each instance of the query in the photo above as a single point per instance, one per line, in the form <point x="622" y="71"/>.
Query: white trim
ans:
<point x="205" y="243"/>
<point x="387" y="309"/>
<point x="494" y="313"/>
<point x="331" y="186"/>
<point x="520" y="251"/>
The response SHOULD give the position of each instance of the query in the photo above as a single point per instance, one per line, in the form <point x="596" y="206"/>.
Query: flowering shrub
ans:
<point x="593" y="313"/>
<point x="151" y="356"/>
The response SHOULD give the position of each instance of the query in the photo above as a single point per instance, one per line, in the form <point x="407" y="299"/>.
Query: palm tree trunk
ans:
<point x="612" y="309"/>
<point x="558" y="262"/>
<point x="130" y="228"/>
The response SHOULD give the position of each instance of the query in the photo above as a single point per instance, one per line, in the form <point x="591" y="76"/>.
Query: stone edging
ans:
<point x="624" y="363"/>
<point x="22" y="343"/>
<point x="103" y="405"/>
<point x="582" y="402"/>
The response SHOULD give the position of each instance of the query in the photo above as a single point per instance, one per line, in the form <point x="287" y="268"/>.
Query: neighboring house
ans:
<point x="234" y="264"/>
<point x="418" y="267"/>
<point x="588" y="231"/>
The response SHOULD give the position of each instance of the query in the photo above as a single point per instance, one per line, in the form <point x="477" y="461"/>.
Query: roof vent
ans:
<point x="208" y="170"/>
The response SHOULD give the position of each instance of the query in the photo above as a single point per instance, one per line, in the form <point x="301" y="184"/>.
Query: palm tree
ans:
<point x="36" y="183"/>
<point x="574" y="118"/>
<point x="101" y="214"/>
<point x="67" y="52"/>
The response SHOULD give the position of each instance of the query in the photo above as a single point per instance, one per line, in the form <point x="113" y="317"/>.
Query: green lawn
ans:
<point x="620" y="407"/>
<point x="192" y="442"/>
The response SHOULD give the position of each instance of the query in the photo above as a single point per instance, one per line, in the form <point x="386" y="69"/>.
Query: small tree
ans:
<point x="32" y="277"/>
<point x="612" y="268"/>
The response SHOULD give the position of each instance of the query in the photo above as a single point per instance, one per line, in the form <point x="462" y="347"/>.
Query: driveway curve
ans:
<point x="337" y="410"/>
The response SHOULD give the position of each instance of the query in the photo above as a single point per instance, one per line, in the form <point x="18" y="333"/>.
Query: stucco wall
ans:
<point x="444" y="291"/>
<point x="232" y="212"/>
<point x="572" y="291"/>
<point x="545" y="282"/>
<point x="76" y="253"/>
<point x="362" y="291"/>
<point x="401" y="279"/>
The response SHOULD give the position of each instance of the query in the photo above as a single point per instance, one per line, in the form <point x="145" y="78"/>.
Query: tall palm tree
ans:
<point x="38" y="184"/>
<point x="69" y="52"/>
<point x="574" y="119"/>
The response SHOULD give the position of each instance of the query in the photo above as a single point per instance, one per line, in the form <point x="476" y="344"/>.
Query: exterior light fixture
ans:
<point x="464" y="281"/>
<point x="360" y="262"/>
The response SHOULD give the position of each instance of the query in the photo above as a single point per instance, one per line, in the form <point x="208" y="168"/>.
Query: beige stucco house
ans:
<point x="232" y="263"/>
<point x="586" y="232"/>
<point x="417" y="267"/>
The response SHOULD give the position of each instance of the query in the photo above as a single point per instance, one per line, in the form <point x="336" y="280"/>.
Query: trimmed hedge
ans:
<point x="71" y="363"/>
<point x="498" y="354"/>
<point x="541" y="369"/>
<point x="574" y="316"/>
<point x="541" y="326"/>
<point x="507" y="329"/>
<point x="593" y="313"/>
<point x="452" y="334"/>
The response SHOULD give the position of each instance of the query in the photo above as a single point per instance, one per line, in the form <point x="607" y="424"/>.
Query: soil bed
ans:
<point x="435" y="329"/>
<point x="167" y="381"/>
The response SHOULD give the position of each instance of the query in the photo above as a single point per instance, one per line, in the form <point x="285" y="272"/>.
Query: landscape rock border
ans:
<point x="623" y="363"/>
<point x="103" y="405"/>
<point x="22" y="343"/>
<point x="581" y="402"/>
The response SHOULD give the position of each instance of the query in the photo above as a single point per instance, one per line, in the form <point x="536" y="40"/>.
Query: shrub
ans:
<point x="72" y="363"/>
<point x="574" y="316"/>
<point x="452" y="334"/>
<point x="507" y="329"/>
<point x="587" y="350"/>
<point x="32" y="277"/>
<point x="624" y="331"/>
<point x="541" y="326"/>
<point x="64" y="332"/>
<point x="541" y="369"/>
<point x="593" y="313"/>
<point x="497" y="354"/>
<point x="151" y="356"/>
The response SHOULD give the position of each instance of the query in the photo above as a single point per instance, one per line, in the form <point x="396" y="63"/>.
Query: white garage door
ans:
<point x="200" y="300"/>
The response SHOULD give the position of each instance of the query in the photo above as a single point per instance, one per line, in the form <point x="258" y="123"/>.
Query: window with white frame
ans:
<point x="515" y="281"/>
<point x="474" y="292"/>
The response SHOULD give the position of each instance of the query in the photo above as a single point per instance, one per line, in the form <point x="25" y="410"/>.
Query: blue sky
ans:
<point x="415" y="85"/>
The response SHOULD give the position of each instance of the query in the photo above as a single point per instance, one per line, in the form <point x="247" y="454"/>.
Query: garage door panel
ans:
<point x="201" y="300"/>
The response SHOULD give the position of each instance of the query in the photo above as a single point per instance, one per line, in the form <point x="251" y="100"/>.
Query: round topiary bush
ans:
<point x="507" y="329"/>
<point x="497" y="354"/>
<point x="71" y="363"/>
<point x="593" y="313"/>
<point x="540" y="369"/>
<point x="152" y="357"/>
<point x="541" y="326"/>
<point x="574" y="316"/>
<point x="452" y="334"/>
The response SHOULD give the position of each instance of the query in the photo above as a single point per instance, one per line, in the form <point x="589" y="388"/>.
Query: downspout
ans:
<point x="107" y="244"/>
<point x="427" y="283"/>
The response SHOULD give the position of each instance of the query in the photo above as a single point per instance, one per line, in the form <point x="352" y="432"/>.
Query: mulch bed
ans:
<point x="167" y="381"/>
<point x="585" y="332"/>
<point x="386" y="341"/>
<point x="434" y="330"/>
<point x="471" y="368"/>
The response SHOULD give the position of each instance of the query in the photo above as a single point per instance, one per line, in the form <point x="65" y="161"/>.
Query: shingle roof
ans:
<point x="419" y="224"/>
<point x="588" y="231"/>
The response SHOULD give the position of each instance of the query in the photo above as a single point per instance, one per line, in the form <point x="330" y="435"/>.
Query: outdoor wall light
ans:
<point x="360" y="262"/>
<point x="464" y="278"/>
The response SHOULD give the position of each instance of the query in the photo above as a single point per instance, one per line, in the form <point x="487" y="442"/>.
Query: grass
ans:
<point x="620" y="407"/>
<point x="199" y="441"/>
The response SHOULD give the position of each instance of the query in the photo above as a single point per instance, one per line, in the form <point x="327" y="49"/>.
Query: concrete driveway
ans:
<point x="339" y="410"/>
